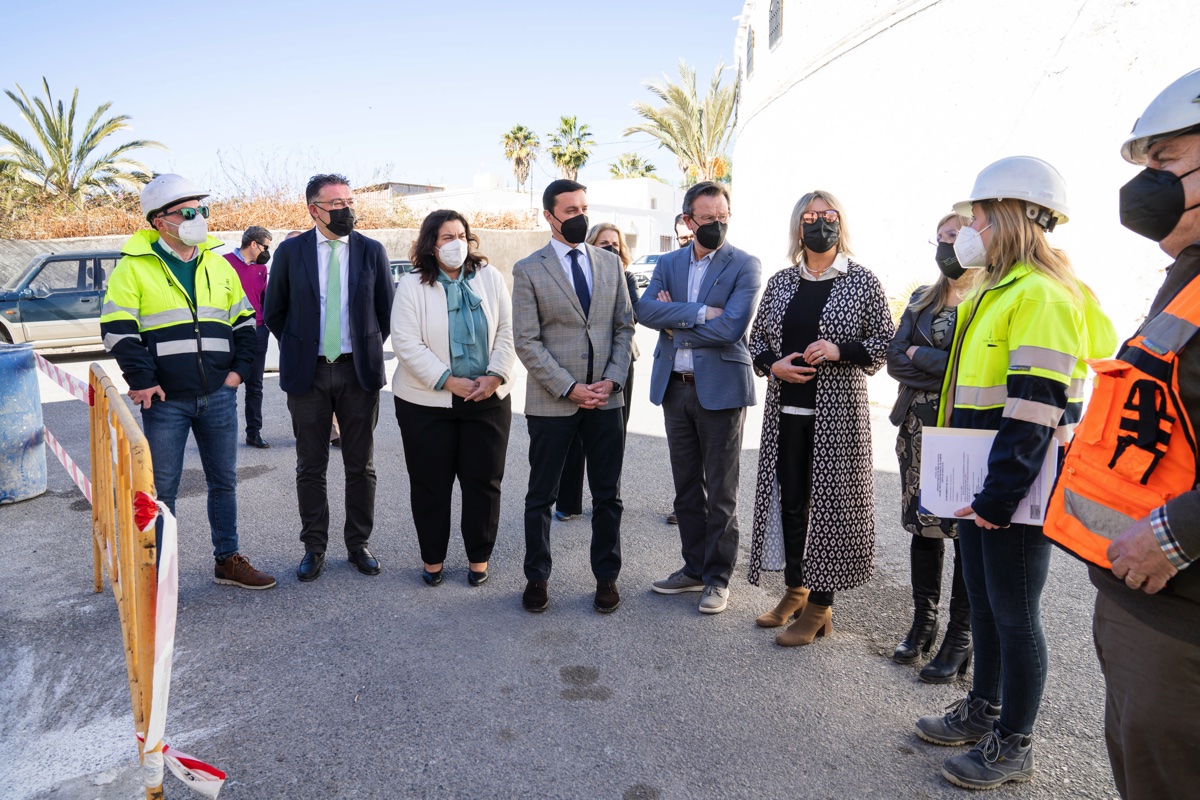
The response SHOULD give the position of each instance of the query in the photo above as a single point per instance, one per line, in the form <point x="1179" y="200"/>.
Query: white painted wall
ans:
<point x="895" y="106"/>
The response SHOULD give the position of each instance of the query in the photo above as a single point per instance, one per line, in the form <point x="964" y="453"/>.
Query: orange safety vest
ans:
<point x="1135" y="447"/>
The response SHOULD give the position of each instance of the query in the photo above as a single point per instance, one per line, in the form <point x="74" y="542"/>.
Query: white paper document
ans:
<point x="954" y="463"/>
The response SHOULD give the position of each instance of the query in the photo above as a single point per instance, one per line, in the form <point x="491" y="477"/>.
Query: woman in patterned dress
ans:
<point x="822" y="326"/>
<point x="917" y="358"/>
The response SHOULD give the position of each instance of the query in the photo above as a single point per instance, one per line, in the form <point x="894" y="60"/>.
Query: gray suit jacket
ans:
<point x="720" y="357"/>
<point x="551" y="333"/>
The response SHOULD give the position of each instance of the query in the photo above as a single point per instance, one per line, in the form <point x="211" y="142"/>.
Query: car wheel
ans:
<point x="4" y="337"/>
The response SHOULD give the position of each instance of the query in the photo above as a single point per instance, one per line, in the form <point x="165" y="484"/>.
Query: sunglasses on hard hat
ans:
<point x="188" y="214"/>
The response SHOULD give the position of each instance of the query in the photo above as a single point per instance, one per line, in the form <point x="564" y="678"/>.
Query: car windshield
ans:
<point x="14" y="281"/>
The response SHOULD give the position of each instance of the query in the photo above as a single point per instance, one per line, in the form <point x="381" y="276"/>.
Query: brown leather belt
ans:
<point x="684" y="377"/>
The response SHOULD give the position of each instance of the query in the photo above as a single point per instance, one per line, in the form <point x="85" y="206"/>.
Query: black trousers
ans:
<point x="254" y="383"/>
<point x="335" y="390"/>
<point x="570" y="489"/>
<point x="706" y="458"/>
<point x="468" y="441"/>
<point x="604" y="449"/>
<point x="794" y="470"/>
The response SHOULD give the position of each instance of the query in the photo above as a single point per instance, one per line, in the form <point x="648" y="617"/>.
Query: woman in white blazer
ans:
<point x="452" y="334"/>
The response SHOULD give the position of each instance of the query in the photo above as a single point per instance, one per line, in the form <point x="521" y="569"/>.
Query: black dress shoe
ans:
<point x="335" y="442"/>
<point x="257" y="441"/>
<point x="433" y="578"/>
<point x="535" y="598"/>
<point x="310" y="566"/>
<point x="607" y="597"/>
<point x="477" y="578"/>
<point x="366" y="563"/>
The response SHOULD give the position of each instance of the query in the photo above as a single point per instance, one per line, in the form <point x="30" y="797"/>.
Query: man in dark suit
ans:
<point x="573" y="328"/>
<point x="329" y="304"/>
<point x="701" y="299"/>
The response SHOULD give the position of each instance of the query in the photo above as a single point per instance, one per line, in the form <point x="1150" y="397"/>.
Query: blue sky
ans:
<point x="409" y="91"/>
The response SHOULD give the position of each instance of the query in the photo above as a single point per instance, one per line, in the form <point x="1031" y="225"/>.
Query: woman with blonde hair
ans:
<point x="917" y="358"/>
<point x="1017" y="367"/>
<point x="822" y="327"/>
<point x="569" y="504"/>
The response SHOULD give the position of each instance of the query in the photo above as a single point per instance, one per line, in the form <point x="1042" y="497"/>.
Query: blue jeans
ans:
<point x="213" y="421"/>
<point x="1005" y="571"/>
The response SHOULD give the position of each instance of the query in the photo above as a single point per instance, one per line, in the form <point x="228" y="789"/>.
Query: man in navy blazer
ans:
<point x="701" y="299"/>
<point x="329" y="302"/>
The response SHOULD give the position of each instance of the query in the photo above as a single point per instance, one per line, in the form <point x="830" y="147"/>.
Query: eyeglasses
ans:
<point x="702" y="221"/>
<point x="188" y="214"/>
<point x="335" y="204"/>
<point x="684" y="239"/>
<point x="809" y="217"/>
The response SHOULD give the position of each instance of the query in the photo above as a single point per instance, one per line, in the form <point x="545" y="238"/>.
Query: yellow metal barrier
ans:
<point x="121" y="468"/>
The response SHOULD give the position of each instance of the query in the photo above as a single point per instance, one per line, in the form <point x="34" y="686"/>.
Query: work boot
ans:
<point x="813" y="621"/>
<point x="996" y="760"/>
<point x="792" y="603"/>
<point x="953" y="658"/>
<point x="925" y="567"/>
<point x="965" y="722"/>
<point x="237" y="571"/>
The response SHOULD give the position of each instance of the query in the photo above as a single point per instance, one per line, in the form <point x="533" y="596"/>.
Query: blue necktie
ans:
<point x="581" y="287"/>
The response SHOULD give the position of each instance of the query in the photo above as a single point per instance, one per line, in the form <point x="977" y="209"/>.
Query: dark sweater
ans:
<point x="1175" y="611"/>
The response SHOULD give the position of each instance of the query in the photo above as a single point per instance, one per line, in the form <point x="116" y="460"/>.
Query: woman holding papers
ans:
<point x="822" y="327"/>
<point x="1017" y="368"/>
<point x="917" y="358"/>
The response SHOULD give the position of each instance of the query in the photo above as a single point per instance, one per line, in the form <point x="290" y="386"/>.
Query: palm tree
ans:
<point x="631" y="165"/>
<point x="695" y="130"/>
<point x="65" y="166"/>
<point x="521" y="147"/>
<point x="570" y="146"/>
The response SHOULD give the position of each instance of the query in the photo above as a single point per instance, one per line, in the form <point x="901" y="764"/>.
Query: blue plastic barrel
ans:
<point x="22" y="441"/>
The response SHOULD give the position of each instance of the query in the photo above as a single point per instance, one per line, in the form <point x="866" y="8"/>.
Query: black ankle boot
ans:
<point x="926" y="568"/>
<point x="953" y="658"/>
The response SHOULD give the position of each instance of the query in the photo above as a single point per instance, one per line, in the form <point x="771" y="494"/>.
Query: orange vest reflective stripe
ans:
<point x="1135" y="447"/>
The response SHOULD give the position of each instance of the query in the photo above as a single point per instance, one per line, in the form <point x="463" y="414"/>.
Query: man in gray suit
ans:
<point x="701" y="299"/>
<point x="573" y="328"/>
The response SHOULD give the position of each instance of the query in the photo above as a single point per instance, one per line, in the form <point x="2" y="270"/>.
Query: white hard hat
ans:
<point x="1022" y="178"/>
<point x="167" y="190"/>
<point x="1176" y="109"/>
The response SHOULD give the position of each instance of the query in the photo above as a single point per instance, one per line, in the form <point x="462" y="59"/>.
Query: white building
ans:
<point x="644" y="209"/>
<point x="895" y="106"/>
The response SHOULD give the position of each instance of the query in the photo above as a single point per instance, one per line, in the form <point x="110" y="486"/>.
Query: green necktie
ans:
<point x="333" y="305"/>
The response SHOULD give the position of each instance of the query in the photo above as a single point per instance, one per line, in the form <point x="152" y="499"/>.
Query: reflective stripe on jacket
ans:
<point x="156" y="334"/>
<point x="1017" y="367"/>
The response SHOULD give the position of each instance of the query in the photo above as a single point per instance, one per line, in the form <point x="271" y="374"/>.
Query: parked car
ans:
<point x="399" y="267"/>
<point x="643" y="269"/>
<point x="56" y="300"/>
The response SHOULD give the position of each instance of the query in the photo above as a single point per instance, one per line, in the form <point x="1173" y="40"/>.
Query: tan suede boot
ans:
<point x="792" y="603"/>
<point x="813" y="621"/>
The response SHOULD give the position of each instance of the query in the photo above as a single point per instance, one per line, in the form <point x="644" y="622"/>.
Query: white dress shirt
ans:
<point x="323" y="251"/>
<point x="696" y="270"/>
<point x="561" y="249"/>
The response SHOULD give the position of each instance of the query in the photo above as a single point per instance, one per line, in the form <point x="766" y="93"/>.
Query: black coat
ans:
<point x="926" y="369"/>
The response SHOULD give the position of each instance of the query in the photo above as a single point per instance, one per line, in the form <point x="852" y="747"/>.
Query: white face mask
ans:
<point x="970" y="249"/>
<point x="453" y="253"/>
<point x="193" y="231"/>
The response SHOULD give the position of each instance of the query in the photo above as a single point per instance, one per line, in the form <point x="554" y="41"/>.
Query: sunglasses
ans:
<point x="188" y="214"/>
<point x="810" y="217"/>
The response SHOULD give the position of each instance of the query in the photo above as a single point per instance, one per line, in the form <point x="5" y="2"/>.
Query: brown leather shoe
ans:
<point x="607" y="597"/>
<point x="237" y="571"/>
<point x="813" y="621"/>
<point x="536" y="598"/>
<point x="792" y="603"/>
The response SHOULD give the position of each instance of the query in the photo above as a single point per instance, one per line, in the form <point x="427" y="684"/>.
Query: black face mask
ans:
<point x="341" y="221"/>
<point x="821" y="236"/>
<point x="947" y="261"/>
<point x="612" y="248"/>
<point x="263" y="257"/>
<point x="575" y="229"/>
<point x="1153" y="203"/>
<point x="712" y="235"/>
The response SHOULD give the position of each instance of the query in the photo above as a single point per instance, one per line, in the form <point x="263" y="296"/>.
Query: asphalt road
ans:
<point x="381" y="687"/>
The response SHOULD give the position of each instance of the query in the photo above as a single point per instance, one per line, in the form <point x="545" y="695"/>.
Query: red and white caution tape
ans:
<point x="75" y="387"/>
<point x="199" y="776"/>
<point x="77" y="475"/>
